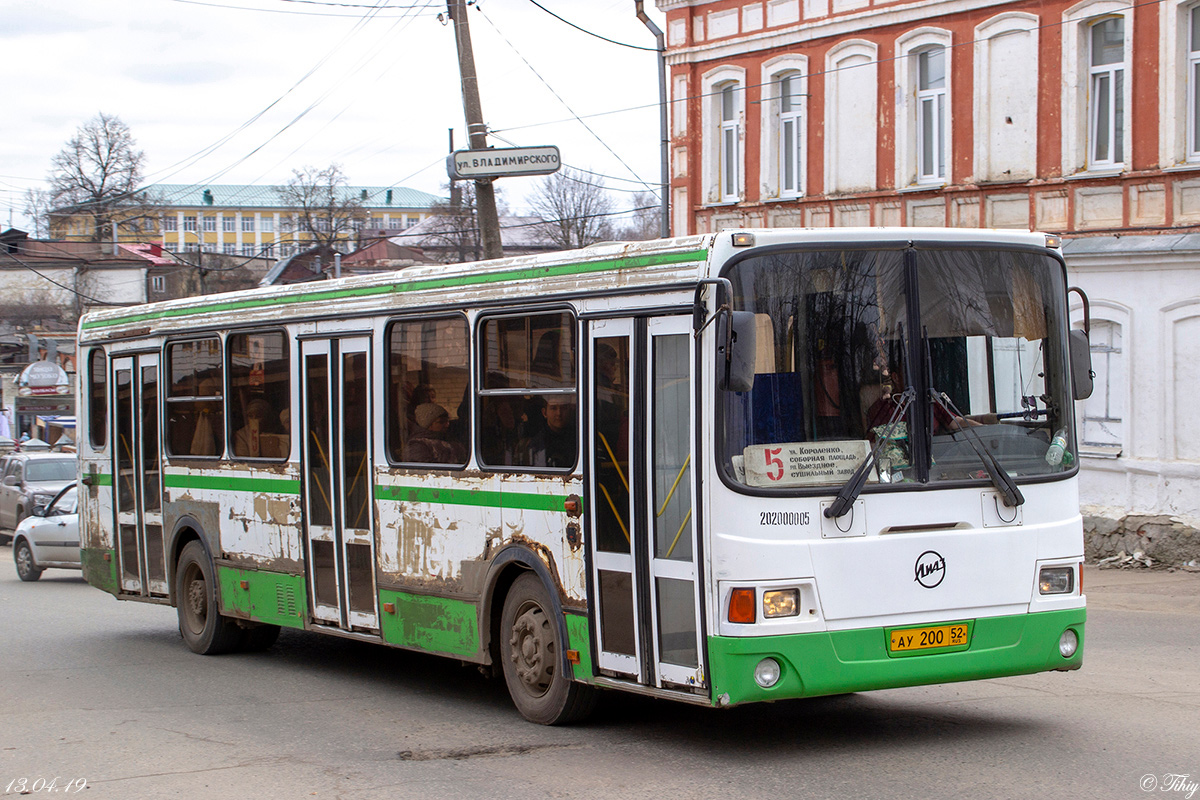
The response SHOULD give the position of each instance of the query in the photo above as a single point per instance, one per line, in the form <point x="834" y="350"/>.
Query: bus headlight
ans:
<point x="1056" y="580"/>
<point x="767" y="673"/>
<point x="781" y="603"/>
<point x="1068" y="643"/>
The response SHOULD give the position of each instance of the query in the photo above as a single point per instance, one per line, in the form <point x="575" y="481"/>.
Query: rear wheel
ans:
<point x="531" y="655"/>
<point x="203" y="628"/>
<point x="27" y="568"/>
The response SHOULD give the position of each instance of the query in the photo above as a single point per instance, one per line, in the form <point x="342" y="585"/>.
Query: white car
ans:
<point x="49" y="538"/>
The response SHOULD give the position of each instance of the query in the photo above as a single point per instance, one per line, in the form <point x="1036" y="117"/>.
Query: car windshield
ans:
<point x="842" y="333"/>
<point x="57" y="469"/>
<point x="67" y="503"/>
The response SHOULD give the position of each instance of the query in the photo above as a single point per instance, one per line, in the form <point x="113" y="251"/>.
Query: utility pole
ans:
<point x="485" y="195"/>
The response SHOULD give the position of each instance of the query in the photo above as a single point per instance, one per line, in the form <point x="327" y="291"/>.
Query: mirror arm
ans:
<point x="700" y="318"/>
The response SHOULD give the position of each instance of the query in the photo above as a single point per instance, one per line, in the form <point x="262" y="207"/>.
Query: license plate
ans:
<point x="937" y="637"/>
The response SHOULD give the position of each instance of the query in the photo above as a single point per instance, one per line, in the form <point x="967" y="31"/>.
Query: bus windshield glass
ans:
<point x="977" y="337"/>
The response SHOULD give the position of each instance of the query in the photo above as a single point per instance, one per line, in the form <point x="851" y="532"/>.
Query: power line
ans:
<point x="299" y="13"/>
<point x="592" y="33"/>
<point x="559" y="97"/>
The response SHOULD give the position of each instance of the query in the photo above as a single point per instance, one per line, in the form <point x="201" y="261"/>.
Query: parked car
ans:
<point x="50" y="537"/>
<point x="30" y="479"/>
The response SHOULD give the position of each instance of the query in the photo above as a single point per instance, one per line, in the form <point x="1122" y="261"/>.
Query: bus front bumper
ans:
<point x="837" y="662"/>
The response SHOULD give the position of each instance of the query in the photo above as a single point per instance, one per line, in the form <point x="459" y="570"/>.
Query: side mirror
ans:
<point x="736" y="350"/>
<point x="1081" y="364"/>
<point x="10" y="480"/>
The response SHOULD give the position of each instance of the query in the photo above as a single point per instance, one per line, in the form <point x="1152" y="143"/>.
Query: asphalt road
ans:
<point x="105" y="691"/>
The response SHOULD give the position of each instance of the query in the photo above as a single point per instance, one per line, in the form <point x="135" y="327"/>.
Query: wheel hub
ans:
<point x="531" y="654"/>
<point x="196" y="598"/>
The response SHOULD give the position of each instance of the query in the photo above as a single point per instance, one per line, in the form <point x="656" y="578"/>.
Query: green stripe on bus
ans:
<point x="100" y="479"/>
<point x="231" y="483"/>
<point x="456" y="281"/>
<point x="472" y="497"/>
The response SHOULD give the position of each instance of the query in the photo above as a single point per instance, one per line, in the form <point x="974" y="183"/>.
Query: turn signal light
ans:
<point x="741" y="606"/>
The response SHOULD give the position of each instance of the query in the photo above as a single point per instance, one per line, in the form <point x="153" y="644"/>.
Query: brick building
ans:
<point x="1078" y="118"/>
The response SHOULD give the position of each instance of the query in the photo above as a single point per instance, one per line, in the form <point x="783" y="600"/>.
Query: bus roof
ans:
<point x="597" y="269"/>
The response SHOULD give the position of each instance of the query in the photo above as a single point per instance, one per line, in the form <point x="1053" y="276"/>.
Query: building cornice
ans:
<point x="812" y="30"/>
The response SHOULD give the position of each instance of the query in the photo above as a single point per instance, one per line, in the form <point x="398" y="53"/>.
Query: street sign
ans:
<point x="501" y="162"/>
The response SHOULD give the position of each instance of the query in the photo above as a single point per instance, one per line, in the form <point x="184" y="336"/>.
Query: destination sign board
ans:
<point x="501" y="162"/>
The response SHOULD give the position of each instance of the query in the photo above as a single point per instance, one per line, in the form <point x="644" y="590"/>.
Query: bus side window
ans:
<point x="528" y="407"/>
<point x="260" y="387"/>
<point x="429" y="396"/>
<point x="195" y="398"/>
<point x="98" y="399"/>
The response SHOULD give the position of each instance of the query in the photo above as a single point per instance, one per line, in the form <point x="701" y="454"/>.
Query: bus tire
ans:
<point x="259" y="638"/>
<point x="530" y="654"/>
<point x="203" y="628"/>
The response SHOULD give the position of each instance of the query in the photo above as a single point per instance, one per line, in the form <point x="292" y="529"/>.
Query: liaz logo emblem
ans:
<point x="930" y="569"/>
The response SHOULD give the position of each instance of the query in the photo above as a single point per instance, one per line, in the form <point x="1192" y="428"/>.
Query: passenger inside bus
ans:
<point x="556" y="443"/>
<point x="429" y="443"/>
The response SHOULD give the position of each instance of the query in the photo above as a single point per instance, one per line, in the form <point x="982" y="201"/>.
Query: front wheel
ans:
<point x="27" y="568"/>
<point x="203" y="628"/>
<point x="530" y="652"/>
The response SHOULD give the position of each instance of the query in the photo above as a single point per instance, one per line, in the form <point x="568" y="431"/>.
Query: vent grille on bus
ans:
<point x="285" y="601"/>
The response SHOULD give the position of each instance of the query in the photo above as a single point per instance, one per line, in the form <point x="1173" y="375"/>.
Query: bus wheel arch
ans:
<point x="203" y="628"/>
<point x="528" y="637"/>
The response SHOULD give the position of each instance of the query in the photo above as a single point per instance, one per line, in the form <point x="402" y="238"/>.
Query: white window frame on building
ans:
<point x="1079" y="109"/>
<point x="170" y="224"/>
<point x="158" y="284"/>
<point x="931" y="114"/>
<point x="189" y="224"/>
<point x="229" y="249"/>
<point x="1005" y="97"/>
<point x="923" y="113"/>
<point x="210" y="223"/>
<point x="1106" y="93"/>
<point x="784" y="127"/>
<point x="228" y="224"/>
<point x="722" y="108"/>
<point x="266" y="224"/>
<point x="247" y="223"/>
<point x="1179" y="84"/>
<point x="1102" y="428"/>
<point x="851" y="114"/>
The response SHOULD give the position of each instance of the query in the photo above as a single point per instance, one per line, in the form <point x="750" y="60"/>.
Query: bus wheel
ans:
<point x="532" y="659"/>
<point x="203" y="628"/>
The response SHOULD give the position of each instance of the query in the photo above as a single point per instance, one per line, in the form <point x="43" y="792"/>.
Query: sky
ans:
<point x="245" y="91"/>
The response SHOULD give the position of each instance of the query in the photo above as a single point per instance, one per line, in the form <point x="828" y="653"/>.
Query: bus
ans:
<point x="741" y="466"/>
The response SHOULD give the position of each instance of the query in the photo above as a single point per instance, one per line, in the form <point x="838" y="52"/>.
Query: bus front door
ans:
<point x="646" y="598"/>
<point x="138" y="471"/>
<point x="338" y="482"/>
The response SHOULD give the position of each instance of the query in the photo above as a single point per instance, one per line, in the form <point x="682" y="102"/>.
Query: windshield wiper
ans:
<point x="1003" y="482"/>
<point x="853" y="487"/>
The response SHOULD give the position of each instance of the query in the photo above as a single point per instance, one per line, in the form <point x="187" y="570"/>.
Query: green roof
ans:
<point x="183" y="195"/>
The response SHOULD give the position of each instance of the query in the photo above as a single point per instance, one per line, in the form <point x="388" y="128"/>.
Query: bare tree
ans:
<point x="644" y="223"/>
<point x="37" y="208"/>
<point x="576" y="208"/>
<point x="323" y="204"/>
<point x="96" y="176"/>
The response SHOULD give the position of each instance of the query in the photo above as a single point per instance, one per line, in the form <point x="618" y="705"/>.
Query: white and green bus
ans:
<point x="727" y="468"/>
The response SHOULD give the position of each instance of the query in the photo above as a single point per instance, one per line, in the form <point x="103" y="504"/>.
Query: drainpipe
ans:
<point x="664" y="225"/>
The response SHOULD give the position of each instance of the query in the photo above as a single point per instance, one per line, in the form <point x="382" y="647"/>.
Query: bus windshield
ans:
<point x="976" y="336"/>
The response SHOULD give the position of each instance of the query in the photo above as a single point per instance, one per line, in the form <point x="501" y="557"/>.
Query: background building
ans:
<point x="249" y="221"/>
<point x="1078" y="118"/>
